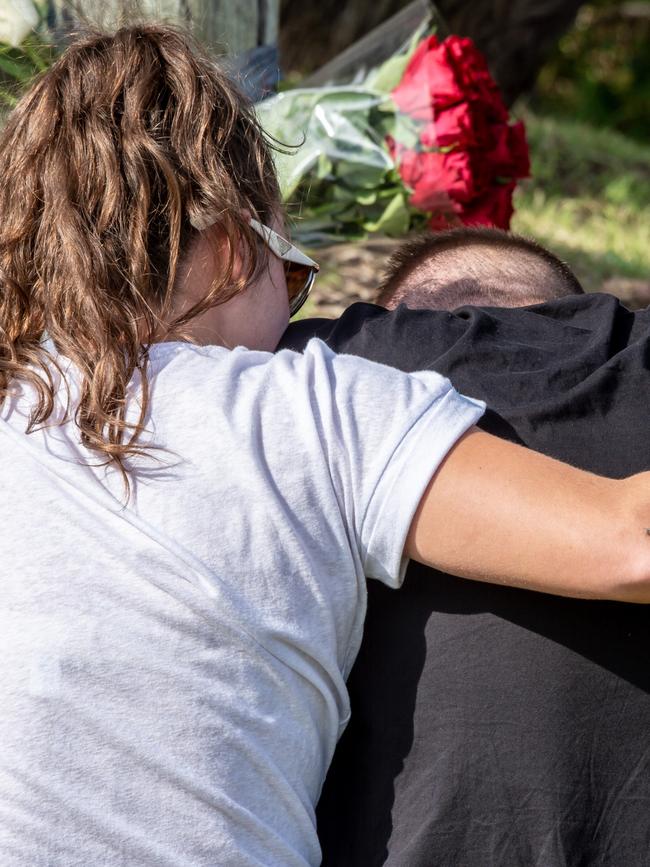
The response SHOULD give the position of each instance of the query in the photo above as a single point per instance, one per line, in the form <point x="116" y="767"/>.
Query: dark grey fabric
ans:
<point x="494" y="727"/>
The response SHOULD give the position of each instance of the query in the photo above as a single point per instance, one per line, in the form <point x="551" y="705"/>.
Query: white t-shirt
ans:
<point x="173" y="673"/>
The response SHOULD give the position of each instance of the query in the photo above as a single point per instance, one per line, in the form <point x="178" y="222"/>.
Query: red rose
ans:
<point x="509" y="153"/>
<point x="425" y="174"/>
<point x="427" y="77"/>
<point x="428" y="137"/>
<point x="409" y="165"/>
<point x="474" y="76"/>
<point x="442" y="220"/>
<point x="493" y="208"/>
<point x="394" y="148"/>
<point x="519" y="150"/>
<point x="464" y="124"/>
<point x="443" y="74"/>
<point x="449" y="87"/>
<point x="458" y="174"/>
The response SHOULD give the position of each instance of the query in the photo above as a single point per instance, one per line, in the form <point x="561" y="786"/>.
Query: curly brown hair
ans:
<point x="110" y="163"/>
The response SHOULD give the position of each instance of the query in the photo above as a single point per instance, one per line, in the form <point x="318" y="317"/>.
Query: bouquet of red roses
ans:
<point x="465" y="147"/>
<point x="425" y="139"/>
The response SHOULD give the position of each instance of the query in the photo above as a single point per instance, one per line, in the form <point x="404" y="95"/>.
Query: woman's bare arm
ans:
<point x="498" y="512"/>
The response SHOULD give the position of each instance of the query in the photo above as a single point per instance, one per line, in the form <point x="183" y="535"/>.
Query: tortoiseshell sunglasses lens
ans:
<point x="299" y="281"/>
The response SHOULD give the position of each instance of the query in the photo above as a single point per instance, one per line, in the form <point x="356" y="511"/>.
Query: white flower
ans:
<point x="17" y="19"/>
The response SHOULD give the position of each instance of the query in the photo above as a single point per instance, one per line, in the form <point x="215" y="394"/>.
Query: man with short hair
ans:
<point x="473" y="266"/>
<point x="494" y="727"/>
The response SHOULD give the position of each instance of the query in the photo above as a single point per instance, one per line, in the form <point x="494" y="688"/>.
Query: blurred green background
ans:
<point x="589" y="132"/>
<point x="599" y="71"/>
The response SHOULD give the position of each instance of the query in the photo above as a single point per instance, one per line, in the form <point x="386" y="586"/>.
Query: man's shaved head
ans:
<point x="475" y="266"/>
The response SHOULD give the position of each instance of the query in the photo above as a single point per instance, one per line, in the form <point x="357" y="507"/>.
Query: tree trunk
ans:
<point x="245" y="30"/>
<point x="229" y="27"/>
<point x="515" y="35"/>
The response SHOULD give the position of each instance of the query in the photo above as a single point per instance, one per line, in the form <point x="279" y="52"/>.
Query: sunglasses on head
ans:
<point x="299" y="269"/>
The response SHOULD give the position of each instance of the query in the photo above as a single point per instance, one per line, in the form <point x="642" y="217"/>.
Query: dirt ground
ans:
<point x="352" y="272"/>
<point x="349" y="273"/>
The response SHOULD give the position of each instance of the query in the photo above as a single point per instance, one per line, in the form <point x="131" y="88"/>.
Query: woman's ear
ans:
<point x="201" y="266"/>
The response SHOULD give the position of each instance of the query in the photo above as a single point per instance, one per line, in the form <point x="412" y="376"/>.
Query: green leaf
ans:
<point x="389" y="74"/>
<point x="394" y="220"/>
<point x="359" y="176"/>
<point x="7" y="98"/>
<point x="21" y="70"/>
<point x="405" y="129"/>
<point x="323" y="167"/>
<point x="367" y="198"/>
<point x="341" y="193"/>
<point x="40" y="54"/>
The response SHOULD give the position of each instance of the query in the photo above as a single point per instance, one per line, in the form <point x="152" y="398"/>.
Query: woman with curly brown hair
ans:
<point x="188" y="526"/>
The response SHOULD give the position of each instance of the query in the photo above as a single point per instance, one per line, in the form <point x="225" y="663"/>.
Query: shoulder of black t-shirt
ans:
<point x="410" y="339"/>
<point x="567" y="377"/>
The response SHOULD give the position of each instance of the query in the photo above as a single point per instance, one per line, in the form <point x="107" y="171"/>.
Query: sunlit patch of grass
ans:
<point x="588" y="200"/>
<point x="307" y="310"/>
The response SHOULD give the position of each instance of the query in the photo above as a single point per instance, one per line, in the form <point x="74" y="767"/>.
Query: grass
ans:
<point x="588" y="200"/>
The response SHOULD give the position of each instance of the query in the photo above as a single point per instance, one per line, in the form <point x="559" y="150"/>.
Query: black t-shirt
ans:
<point x="494" y="727"/>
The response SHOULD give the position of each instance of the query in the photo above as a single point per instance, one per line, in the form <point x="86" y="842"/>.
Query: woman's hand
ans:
<point x="498" y="512"/>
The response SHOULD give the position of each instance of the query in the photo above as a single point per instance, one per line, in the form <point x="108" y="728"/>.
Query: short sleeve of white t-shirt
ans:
<point x="173" y="679"/>
<point x="382" y="434"/>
